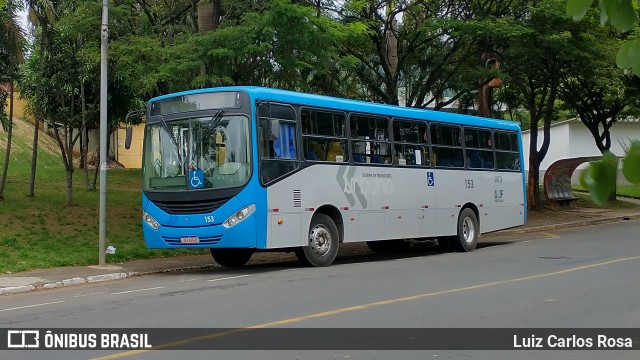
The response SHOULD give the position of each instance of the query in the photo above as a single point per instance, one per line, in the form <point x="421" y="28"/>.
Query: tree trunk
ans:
<point x="484" y="102"/>
<point x="97" y="170"/>
<point x="70" y="168"/>
<point x="36" y="123"/>
<point x="5" y="166"/>
<point x="533" y="187"/>
<point x="209" y="14"/>
<point x="84" y="140"/>
<point x="391" y="57"/>
<point x="533" y="179"/>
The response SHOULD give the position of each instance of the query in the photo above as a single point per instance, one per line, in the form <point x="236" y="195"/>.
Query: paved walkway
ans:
<point x="69" y="276"/>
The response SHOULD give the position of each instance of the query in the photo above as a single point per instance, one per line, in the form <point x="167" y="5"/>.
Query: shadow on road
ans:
<point x="348" y="254"/>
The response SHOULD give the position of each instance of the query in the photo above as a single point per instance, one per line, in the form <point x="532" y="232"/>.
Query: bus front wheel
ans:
<point x="468" y="232"/>
<point x="231" y="257"/>
<point x="323" y="240"/>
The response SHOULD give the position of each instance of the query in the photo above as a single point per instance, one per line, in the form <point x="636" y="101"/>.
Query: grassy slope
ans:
<point x="43" y="232"/>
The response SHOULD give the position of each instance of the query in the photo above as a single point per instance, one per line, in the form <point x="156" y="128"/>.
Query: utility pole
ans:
<point x="104" y="41"/>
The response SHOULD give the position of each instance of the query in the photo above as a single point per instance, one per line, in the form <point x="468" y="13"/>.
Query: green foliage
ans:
<point x="619" y="13"/>
<point x="631" y="163"/>
<point x="622" y="15"/>
<point x="599" y="178"/>
<point x="629" y="56"/>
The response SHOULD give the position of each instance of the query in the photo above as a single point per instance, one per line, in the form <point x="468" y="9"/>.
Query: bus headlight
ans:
<point x="240" y="215"/>
<point x="150" y="220"/>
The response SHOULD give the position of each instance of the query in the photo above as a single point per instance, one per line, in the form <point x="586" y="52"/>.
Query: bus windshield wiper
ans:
<point x="168" y="130"/>
<point x="216" y="118"/>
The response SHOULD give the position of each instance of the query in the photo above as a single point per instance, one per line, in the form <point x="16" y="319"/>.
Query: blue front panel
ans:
<point x="249" y="233"/>
<point x="174" y="228"/>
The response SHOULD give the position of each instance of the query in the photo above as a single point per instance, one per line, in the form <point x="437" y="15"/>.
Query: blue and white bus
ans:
<point x="245" y="169"/>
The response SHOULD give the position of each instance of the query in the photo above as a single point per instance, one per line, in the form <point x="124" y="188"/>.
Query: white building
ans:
<point x="571" y="138"/>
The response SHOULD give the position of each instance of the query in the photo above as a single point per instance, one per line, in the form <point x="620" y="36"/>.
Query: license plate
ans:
<point x="190" y="239"/>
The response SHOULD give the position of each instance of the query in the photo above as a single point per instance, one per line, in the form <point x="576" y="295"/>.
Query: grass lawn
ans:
<point x="629" y="190"/>
<point x="42" y="231"/>
<point x="624" y="190"/>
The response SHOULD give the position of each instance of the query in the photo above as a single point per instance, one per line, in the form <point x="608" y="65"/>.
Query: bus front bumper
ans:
<point x="242" y="235"/>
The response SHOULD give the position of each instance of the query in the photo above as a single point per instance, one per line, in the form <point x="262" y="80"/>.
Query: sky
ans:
<point x="24" y="24"/>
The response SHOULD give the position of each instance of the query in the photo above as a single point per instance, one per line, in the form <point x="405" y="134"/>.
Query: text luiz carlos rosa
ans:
<point x="572" y="342"/>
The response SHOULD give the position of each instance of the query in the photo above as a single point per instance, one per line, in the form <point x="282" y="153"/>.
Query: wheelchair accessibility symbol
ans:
<point x="196" y="179"/>
<point x="430" y="179"/>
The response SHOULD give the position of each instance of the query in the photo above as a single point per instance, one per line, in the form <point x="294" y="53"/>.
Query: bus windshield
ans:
<point x="195" y="153"/>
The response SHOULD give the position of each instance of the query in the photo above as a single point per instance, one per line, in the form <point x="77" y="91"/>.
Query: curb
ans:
<point x="568" y="225"/>
<point x="95" y="279"/>
<point x="123" y="275"/>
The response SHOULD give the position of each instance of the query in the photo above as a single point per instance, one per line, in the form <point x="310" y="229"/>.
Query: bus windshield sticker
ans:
<point x="430" y="180"/>
<point x="196" y="179"/>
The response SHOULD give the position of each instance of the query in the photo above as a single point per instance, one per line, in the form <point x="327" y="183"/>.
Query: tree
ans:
<point x="12" y="51"/>
<point x="42" y="14"/>
<point x="535" y="62"/>
<point x="595" y="89"/>
<point x="601" y="175"/>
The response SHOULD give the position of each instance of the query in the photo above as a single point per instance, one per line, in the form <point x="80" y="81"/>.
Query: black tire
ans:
<point x="468" y="232"/>
<point x="231" y="257"/>
<point x="387" y="246"/>
<point x="323" y="240"/>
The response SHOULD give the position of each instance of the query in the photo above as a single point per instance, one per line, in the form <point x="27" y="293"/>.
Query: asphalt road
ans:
<point x="580" y="278"/>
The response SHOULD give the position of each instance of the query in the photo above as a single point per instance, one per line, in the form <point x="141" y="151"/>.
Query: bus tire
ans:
<point x="386" y="246"/>
<point x="468" y="232"/>
<point x="323" y="241"/>
<point x="231" y="257"/>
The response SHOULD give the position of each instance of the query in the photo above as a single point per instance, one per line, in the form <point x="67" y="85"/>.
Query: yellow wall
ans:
<point x="131" y="158"/>
<point x="19" y="106"/>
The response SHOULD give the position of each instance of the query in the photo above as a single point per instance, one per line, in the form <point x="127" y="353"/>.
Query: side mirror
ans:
<point x="127" y="138"/>
<point x="129" y="129"/>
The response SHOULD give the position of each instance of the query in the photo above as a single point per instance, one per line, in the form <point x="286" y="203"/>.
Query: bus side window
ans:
<point x="446" y="145"/>
<point x="323" y="135"/>
<point x="278" y="141"/>
<point x="507" y="152"/>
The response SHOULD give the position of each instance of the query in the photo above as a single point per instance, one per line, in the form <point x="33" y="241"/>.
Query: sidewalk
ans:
<point x="69" y="276"/>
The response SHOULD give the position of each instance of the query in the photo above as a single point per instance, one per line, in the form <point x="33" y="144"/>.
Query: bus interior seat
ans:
<point x="358" y="158"/>
<point x="334" y="151"/>
<point x="311" y="155"/>
<point x="475" y="161"/>
<point x="377" y="159"/>
<point x="318" y="149"/>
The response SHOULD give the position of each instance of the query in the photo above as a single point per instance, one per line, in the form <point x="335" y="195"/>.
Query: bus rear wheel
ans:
<point x="468" y="232"/>
<point x="323" y="240"/>
<point x="231" y="257"/>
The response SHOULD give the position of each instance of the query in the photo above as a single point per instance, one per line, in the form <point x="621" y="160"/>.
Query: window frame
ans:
<point x="304" y="136"/>
<point x="492" y="149"/>
<point x="461" y="146"/>
<point x="426" y="144"/>
<point x="259" y="120"/>
<point x="351" y="139"/>
<point x="499" y="151"/>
